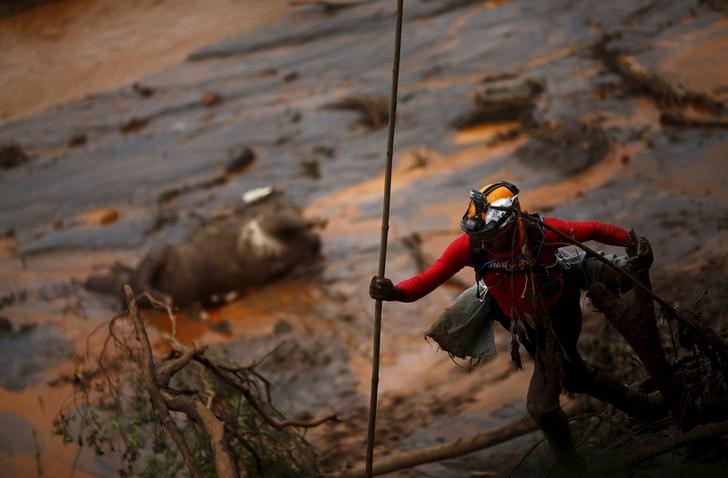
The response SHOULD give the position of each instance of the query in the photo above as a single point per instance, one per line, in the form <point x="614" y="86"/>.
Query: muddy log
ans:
<point x="462" y="446"/>
<point x="662" y="90"/>
<point x="690" y="121"/>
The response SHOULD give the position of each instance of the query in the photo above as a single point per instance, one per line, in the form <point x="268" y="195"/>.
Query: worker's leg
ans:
<point x="638" y="326"/>
<point x="581" y="378"/>
<point x="543" y="403"/>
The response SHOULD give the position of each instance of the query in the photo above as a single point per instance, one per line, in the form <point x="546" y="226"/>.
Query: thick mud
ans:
<point x="110" y="175"/>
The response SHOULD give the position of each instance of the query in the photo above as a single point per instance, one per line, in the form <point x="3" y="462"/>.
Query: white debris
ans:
<point x="257" y="194"/>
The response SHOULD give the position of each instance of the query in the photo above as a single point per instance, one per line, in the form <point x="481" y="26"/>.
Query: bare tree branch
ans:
<point x="148" y="378"/>
<point x="233" y="381"/>
<point x="213" y="426"/>
<point x="168" y="368"/>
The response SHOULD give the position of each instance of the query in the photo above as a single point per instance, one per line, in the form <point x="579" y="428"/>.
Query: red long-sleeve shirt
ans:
<point x="512" y="291"/>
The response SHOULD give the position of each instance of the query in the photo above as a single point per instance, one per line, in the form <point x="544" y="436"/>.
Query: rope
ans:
<point x="383" y="244"/>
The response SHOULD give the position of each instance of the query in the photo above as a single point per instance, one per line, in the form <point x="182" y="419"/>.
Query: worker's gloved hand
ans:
<point x="640" y="253"/>
<point x="381" y="288"/>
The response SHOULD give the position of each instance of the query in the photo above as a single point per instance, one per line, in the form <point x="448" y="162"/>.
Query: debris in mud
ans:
<point x="283" y="139"/>
<point x="257" y="194"/>
<point x="504" y="137"/>
<point x="666" y="93"/>
<point x="164" y="217"/>
<point x="210" y="99"/>
<point x="329" y="8"/>
<point x="496" y="77"/>
<point x="417" y="159"/>
<point x="373" y="110"/>
<point x="143" y="90"/>
<point x="413" y="244"/>
<point x="311" y="169"/>
<point x="693" y="121"/>
<point x="294" y="116"/>
<point x="134" y="124"/>
<point x="451" y="5"/>
<point x="509" y="102"/>
<point x="267" y="242"/>
<point x="326" y="151"/>
<point x="292" y="76"/>
<point x="282" y="327"/>
<point x="241" y="158"/>
<point x="568" y="146"/>
<point x="9" y="233"/>
<point x="76" y="140"/>
<point x="717" y="5"/>
<point x="11" y="156"/>
<point x="13" y="297"/>
<point x="100" y="217"/>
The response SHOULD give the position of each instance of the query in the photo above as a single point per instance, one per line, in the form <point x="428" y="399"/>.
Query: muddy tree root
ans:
<point x="462" y="446"/>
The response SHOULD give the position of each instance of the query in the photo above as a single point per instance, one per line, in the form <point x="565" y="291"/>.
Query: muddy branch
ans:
<point x="692" y="121"/>
<point x="150" y="383"/>
<point x="462" y="446"/>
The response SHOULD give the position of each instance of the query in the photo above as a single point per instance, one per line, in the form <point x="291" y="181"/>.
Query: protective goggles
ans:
<point x="488" y="217"/>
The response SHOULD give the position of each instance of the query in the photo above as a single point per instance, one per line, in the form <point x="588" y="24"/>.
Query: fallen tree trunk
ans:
<point x="460" y="447"/>
<point x="688" y="121"/>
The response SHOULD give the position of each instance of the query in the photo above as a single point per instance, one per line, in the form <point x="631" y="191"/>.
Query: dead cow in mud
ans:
<point x="218" y="259"/>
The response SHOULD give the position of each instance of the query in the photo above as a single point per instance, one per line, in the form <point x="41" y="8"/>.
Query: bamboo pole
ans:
<point x="383" y="243"/>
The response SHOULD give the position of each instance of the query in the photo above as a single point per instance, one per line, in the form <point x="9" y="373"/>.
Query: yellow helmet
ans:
<point x="487" y="222"/>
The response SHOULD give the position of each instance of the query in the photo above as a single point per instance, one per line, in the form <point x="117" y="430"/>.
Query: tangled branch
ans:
<point x="199" y="412"/>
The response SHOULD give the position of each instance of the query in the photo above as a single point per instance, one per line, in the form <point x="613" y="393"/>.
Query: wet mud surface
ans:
<point x="157" y="161"/>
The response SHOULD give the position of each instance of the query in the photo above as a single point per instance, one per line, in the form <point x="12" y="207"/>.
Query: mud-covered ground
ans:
<point x="522" y="90"/>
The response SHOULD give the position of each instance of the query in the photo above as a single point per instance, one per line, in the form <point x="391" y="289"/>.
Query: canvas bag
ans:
<point x="465" y="329"/>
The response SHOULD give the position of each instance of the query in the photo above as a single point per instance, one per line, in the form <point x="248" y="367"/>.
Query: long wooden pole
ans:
<point x="383" y="243"/>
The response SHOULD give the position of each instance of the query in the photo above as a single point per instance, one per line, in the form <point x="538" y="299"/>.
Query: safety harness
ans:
<point x="535" y="235"/>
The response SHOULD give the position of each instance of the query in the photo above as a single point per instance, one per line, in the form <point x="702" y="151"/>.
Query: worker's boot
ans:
<point x="555" y="427"/>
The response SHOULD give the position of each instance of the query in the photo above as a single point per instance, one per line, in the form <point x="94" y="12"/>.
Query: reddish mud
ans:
<point x="89" y="46"/>
<point x="114" y="201"/>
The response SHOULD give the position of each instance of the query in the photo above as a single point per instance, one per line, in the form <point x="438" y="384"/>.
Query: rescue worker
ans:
<point x="515" y="263"/>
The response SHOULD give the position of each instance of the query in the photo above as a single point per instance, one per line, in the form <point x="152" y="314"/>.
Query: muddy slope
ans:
<point x="592" y="146"/>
